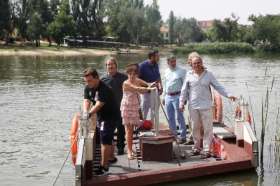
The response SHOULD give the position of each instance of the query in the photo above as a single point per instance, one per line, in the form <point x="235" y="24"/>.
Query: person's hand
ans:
<point x="149" y="89"/>
<point x="160" y="90"/>
<point x="154" y="84"/>
<point x="85" y="115"/>
<point x="232" y="98"/>
<point x="182" y="108"/>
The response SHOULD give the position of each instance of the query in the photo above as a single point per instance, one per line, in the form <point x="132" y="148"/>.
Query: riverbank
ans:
<point x="64" y="52"/>
<point x="217" y="48"/>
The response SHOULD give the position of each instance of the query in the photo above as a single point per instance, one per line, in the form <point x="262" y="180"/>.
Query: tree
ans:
<point x="62" y="25"/>
<point x="125" y="19"/>
<point x="35" y="28"/>
<point x="22" y="14"/>
<point x="152" y="24"/>
<point x="226" y="30"/>
<point x="266" y="30"/>
<point x="187" y="30"/>
<point x="4" y="19"/>
<point x="171" y="24"/>
<point x="88" y="16"/>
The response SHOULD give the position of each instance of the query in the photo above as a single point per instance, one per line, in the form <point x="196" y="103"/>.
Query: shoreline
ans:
<point x="64" y="52"/>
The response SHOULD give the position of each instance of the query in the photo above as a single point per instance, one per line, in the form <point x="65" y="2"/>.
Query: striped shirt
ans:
<point x="196" y="90"/>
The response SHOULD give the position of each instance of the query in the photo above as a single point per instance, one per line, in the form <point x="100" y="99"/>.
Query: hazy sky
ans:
<point x="217" y="9"/>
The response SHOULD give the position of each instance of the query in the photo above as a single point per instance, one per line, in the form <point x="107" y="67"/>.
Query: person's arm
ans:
<point x="134" y="88"/>
<point x="142" y="83"/>
<point x="184" y="94"/>
<point x="220" y="89"/>
<point x="86" y="101"/>
<point x="160" y="88"/>
<point x="86" y="105"/>
<point x="98" y="105"/>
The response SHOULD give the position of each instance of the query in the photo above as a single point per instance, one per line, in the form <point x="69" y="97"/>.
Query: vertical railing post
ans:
<point x="155" y="110"/>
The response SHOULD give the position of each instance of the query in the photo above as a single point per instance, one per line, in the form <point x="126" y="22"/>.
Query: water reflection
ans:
<point x="38" y="97"/>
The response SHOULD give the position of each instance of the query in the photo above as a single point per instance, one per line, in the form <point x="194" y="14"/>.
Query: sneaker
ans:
<point x="195" y="152"/>
<point x="181" y="141"/>
<point x="120" y="152"/>
<point x="113" y="160"/>
<point x="101" y="171"/>
<point x="189" y="142"/>
<point x="205" y="155"/>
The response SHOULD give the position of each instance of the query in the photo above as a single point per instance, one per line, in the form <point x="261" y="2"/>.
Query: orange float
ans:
<point x="73" y="138"/>
<point x="218" y="107"/>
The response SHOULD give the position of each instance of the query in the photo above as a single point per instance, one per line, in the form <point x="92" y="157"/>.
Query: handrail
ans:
<point x="80" y="162"/>
<point x="155" y="109"/>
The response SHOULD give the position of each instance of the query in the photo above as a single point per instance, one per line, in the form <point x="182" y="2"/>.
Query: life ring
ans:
<point x="249" y="118"/>
<point x="218" y="108"/>
<point x="73" y="138"/>
<point x="238" y="114"/>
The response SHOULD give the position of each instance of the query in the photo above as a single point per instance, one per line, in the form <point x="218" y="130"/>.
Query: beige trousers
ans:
<point x="202" y="123"/>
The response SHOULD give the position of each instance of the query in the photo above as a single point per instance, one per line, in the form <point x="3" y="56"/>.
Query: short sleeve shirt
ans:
<point x="115" y="82"/>
<point x="103" y="93"/>
<point x="149" y="72"/>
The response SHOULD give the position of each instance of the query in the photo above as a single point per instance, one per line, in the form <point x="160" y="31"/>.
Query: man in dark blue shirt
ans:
<point x="102" y="97"/>
<point x="149" y="72"/>
<point x="115" y="79"/>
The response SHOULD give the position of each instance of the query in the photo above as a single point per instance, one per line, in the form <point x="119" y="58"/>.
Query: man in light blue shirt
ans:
<point x="196" y="90"/>
<point x="173" y="82"/>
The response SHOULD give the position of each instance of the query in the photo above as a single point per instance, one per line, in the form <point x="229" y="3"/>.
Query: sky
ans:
<point x="217" y="9"/>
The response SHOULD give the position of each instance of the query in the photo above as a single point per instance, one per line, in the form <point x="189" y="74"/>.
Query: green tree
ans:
<point x="224" y="31"/>
<point x="187" y="30"/>
<point x="22" y="14"/>
<point x="5" y="19"/>
<point x="62" y="25"/>
<point x="35" y="28"/>
<point x="152" y="23"/>
<point x="125" y="19"/>
<point x="88" y="16"/>
<point x="266" y="30"/>
<point x="171" y="24"/>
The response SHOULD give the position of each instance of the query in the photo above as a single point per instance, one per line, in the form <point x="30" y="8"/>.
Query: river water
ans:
<point x="38" y="97"/>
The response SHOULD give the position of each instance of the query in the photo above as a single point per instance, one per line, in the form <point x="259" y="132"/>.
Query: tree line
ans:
<point x="263" y="33"/>
<point x="128" y="21"/>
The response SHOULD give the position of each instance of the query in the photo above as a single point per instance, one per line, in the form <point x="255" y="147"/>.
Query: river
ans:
<point x="38" y="97"/>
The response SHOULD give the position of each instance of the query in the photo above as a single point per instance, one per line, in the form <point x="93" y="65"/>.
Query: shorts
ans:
<point x="107" y="129"/>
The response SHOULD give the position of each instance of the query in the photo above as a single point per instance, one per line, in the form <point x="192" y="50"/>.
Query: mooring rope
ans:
<point x="63" y="164"/>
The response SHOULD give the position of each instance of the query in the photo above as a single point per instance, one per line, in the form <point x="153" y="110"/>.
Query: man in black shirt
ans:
<point x="115" y="79"/>
<point x="106" y="108"/>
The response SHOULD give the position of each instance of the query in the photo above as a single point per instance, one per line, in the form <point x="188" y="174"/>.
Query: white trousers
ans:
<point x="202" y="123"/>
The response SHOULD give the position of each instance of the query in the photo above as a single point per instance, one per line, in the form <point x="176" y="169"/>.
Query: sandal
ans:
<point x="130" y="156"/>
<point x="205" y="155"/>
<point x="195" y="152"/>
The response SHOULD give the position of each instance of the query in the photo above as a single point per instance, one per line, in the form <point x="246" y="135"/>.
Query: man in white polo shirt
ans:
<point x="173" y="82"/>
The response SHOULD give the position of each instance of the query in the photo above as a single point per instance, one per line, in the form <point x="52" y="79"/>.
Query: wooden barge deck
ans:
<point x="161" y="159"/>
<point x="237" y="155"/>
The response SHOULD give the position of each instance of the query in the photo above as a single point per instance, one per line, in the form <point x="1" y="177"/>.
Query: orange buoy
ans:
<point x="218" y="108"/>
<point x="73" y="138"/>
<point x="249" y="118"/>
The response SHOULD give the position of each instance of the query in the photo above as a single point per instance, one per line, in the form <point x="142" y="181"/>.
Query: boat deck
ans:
<point x="138" y="172"/>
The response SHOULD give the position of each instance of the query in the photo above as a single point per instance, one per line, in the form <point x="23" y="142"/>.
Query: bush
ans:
<point x="216" y="48"/>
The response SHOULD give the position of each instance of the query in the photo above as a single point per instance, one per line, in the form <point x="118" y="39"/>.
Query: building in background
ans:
<point x="164" y="32"/>
<point x="205" y="24"/>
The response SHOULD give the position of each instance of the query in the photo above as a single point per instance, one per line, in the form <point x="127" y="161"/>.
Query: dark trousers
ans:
<point x="120" y="134"/>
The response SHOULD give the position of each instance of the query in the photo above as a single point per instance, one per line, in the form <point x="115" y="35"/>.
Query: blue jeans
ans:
<point x="172" y="107"/>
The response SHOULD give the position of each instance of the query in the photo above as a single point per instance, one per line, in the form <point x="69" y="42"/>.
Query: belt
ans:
<point x="174" y="93"/>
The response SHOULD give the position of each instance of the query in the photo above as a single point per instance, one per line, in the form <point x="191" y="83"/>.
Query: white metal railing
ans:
<point x="155" y="101"/>
<point x="85" y="147"/>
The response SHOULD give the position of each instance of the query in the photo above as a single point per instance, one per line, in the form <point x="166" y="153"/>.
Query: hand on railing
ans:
<point x="85" y="115"/>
